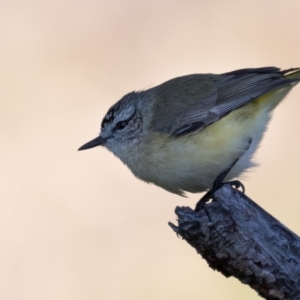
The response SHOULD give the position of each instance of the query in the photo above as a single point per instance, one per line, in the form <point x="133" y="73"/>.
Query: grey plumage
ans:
<point x="202" y="99"/>
<point x="182" y="134"/>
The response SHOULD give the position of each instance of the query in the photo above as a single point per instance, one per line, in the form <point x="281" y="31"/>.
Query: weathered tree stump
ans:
<point x="238" y="238"/>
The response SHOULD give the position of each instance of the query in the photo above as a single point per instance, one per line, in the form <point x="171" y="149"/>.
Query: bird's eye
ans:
<point x="121" y="125"/>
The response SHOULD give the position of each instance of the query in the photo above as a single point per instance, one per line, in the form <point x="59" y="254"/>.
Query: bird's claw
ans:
<point x="217" y="185"/>
<point x="236" y="184"/>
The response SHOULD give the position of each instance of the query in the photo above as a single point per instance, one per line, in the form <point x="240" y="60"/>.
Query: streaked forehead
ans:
<point x="123" y="109"/>
<point x="110" y="116"/>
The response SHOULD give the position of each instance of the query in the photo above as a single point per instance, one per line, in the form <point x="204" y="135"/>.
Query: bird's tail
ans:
<point x="292" y="74"/>
<point x="270" y="100"/>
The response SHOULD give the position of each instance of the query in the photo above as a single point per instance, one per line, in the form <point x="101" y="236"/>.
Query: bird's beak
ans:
<point x="98" y="141"/>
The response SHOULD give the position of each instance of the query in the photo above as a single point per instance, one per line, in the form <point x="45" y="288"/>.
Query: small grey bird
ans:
<point x="181" y="135"/>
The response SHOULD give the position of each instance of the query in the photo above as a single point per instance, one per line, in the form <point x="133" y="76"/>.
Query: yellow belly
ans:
<point x="192" y="162"/>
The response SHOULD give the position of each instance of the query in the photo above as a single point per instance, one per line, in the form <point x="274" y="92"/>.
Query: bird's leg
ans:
<point x="218" y="183"/>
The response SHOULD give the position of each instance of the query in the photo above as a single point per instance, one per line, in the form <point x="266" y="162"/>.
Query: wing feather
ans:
<point x="190" y="103"/>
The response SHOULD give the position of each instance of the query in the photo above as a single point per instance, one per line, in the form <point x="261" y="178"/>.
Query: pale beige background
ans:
<point x="78" y="225"/>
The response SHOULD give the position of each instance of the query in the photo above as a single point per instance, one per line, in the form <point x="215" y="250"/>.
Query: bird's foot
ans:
<point x="218" y="183"/>
<point x="235" y="184"/>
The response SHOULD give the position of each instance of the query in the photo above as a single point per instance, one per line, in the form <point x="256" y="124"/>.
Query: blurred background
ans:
<point x="78" y="225"/>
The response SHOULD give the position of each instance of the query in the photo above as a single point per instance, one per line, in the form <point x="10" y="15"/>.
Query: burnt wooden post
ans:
<point x="238" y="238"/>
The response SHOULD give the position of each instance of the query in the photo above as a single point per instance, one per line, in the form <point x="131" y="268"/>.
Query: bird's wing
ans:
<point x="190" y="103"/>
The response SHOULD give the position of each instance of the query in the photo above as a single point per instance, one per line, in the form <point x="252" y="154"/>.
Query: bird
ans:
<point x="191" y="133"/>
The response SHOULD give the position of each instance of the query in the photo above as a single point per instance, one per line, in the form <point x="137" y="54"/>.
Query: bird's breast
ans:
<point x="192" y="162"/>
